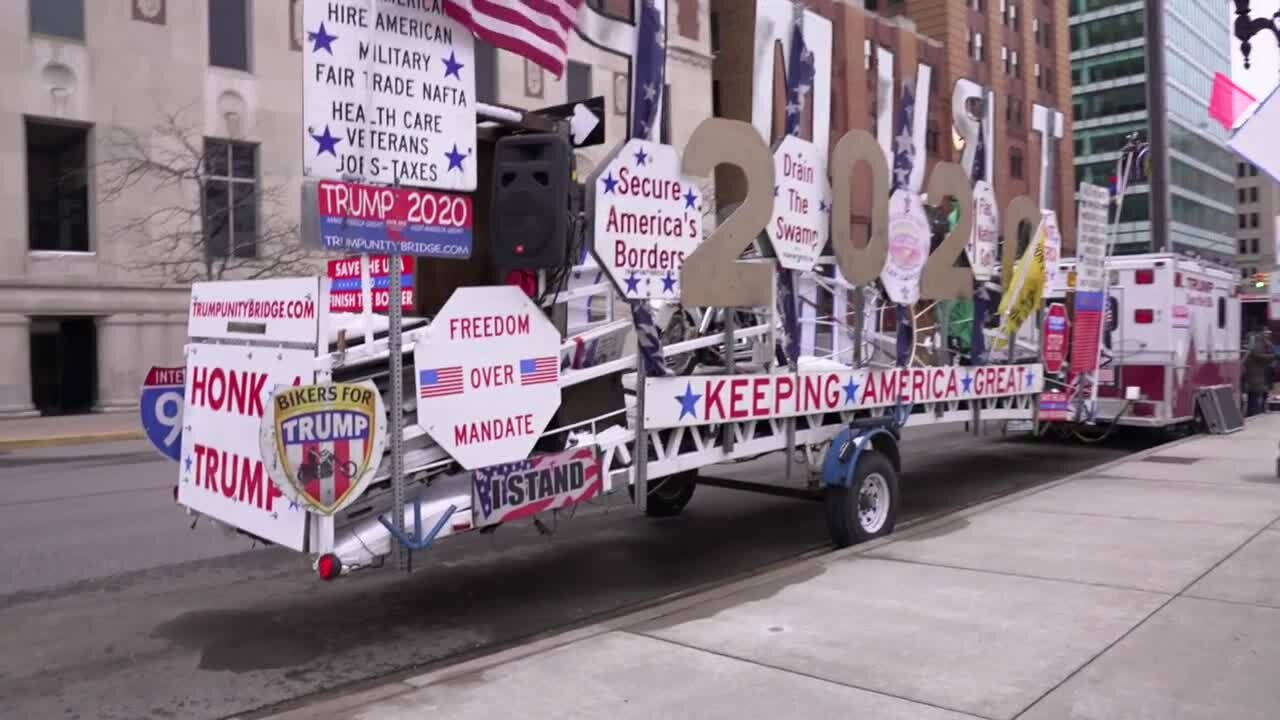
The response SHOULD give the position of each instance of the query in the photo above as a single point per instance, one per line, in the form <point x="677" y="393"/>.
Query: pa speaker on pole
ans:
<point x="532" y="177"/>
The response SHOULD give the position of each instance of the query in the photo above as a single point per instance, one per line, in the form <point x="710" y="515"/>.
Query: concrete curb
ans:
<point x="63" y="440"/>
<point x="680" y="602"/>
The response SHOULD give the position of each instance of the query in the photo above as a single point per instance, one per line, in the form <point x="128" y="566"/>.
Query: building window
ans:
<point x="1241" y="170"/>
<point x="1253" y="220"/>
<point x="1244" y="221"/>
<point x="1253" y="246"/>
<point x="867" y="55"/>
<point x="229" y="34"/>
<point x="1240" y="195"/>
<point x="1015" y="163"/>
<point x="578" y="81"/>
<point x="715" y="32"/>
<point x="230" y="198"/>
<point x="57" y="186"/>
<point x="1013" y="60"/>
<point x="1013" y="15"/>
<point x="975" y="46"/>
<point x="60" y="18"/>
<point x="1253" y="170"/>
<point x="1253" y="194"/>
<point x="1244" y="246"/>
<point x="1004" y="58"/>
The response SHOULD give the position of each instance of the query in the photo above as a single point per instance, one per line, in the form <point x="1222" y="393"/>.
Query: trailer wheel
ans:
<point x="668" y="495"/>
<point x="868" y="509"/>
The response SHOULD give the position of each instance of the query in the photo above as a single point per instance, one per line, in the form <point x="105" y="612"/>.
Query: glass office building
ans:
<point x="1110" y="46"/>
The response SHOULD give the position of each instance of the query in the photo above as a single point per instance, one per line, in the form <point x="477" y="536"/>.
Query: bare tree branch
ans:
<point x="187" y="226"/>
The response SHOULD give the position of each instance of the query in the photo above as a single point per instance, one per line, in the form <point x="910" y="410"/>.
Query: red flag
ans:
<point x="534" y="29"/>
<point x="1229" y="101"/>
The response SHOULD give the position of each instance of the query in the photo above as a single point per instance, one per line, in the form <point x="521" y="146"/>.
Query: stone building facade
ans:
<point x="83" y="309"/>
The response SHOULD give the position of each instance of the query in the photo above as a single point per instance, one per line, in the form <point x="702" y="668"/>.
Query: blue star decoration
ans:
<point x="967" y="381"/>
<point x="326" y="142"/>
<point x="688" y="401"/>
<point x="293" y="504"/>
<point x="1031" y="377"/>
<point x="187" y="461"/>
<point x="775" y="191"/>
<point x="452" y="66"/>
<point x="455" y="158"/>
<point x="321" y="40"/>
<point x="822" y="206"/>
<point x="641" y="157"/>
<point x="610" y="183"/>
<point x="690" y="200"/>
<point x="669" y="282"/>
<point x="850" y="391"/>
<point x="633" y="283"/>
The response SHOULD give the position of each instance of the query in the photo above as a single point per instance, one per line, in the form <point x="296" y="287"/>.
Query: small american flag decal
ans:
<point x="536" y="371"/>
<point x="440" y="382"/>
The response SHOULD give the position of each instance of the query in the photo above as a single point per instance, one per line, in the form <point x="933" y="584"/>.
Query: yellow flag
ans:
<point x="1026" y="289"/>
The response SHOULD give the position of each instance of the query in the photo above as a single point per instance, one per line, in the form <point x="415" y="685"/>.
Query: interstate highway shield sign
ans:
<point x="323" y="443"/>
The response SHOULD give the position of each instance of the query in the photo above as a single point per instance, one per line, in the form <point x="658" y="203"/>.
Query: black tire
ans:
<point x="843" y="504"/>
<point x="668" y="495"/>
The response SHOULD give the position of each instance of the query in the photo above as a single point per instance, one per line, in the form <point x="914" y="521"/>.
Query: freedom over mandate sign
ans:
<point x="388" y="94"/>
<point x="648" y="219"/>
<point x="487" y="375"/>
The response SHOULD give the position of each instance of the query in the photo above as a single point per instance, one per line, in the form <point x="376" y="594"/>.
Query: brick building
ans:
<point x="1017" y="49"/>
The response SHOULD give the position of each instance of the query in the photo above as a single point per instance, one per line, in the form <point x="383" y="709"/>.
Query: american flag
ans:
<point x="800" y="71"/>
<point x="904" y="159"/>
<point x="534" y="29"/>
<point x="440" y="382"/>
<point x="650" y="70"/>
<point x="539" y="370"/>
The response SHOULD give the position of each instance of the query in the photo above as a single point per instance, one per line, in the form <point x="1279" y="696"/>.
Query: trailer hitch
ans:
<point x="417" y="541"/>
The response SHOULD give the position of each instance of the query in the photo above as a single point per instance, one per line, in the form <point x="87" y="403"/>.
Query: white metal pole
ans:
<point x="366" y="300"/>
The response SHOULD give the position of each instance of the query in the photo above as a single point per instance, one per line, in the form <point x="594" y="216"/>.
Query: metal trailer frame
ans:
<point x="419" y="486"/>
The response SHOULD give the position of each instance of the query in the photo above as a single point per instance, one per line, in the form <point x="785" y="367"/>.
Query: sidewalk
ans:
<point x="1147" y="588"/>
<point x="19" y="433"/>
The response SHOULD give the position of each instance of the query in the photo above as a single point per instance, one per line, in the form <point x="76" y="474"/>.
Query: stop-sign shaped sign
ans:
<point x="487" y="375"/>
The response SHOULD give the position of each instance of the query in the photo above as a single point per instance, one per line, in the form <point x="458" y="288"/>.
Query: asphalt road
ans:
<point x="112" y="607"/>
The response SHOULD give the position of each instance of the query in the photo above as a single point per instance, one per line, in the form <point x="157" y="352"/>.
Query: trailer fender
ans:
<point x="848" y="446"/>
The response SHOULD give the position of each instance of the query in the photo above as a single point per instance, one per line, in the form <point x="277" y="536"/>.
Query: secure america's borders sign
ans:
<point x="648" y="219"/>
<point x="388" y="94"/>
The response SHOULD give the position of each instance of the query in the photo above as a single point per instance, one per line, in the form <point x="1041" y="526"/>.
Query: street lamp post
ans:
<point x="1247" y="27"/>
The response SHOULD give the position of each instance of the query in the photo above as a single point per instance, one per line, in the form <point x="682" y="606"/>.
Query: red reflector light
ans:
<point x="329" y="566"/>
<point x="1144" y="316"/>
<point x="520" y="249"/>
<point x="1144" y="277"/>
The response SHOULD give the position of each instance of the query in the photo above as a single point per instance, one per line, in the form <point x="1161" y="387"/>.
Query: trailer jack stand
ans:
<point x="417" y="541"/>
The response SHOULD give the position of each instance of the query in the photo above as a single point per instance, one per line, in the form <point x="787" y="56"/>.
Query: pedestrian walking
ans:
<point x="1257" y="371"/>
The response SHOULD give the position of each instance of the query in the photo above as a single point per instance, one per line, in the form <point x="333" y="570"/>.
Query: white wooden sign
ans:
<point x="648" y="219"/>
<point x="984" y="238"/>
<point x="487" y="375"/>
<point x="798" y="228"/>
<point x="908" y="247"/>
<point x="388" y="94"/>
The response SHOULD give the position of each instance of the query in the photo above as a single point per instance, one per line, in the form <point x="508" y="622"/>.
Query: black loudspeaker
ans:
<point x="529" y="219"/>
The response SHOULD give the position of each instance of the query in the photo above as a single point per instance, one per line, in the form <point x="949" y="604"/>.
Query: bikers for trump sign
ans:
<point x="322" y="444"/>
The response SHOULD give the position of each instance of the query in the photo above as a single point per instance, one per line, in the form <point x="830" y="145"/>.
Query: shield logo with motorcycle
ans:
<point x="322" y="444"/>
